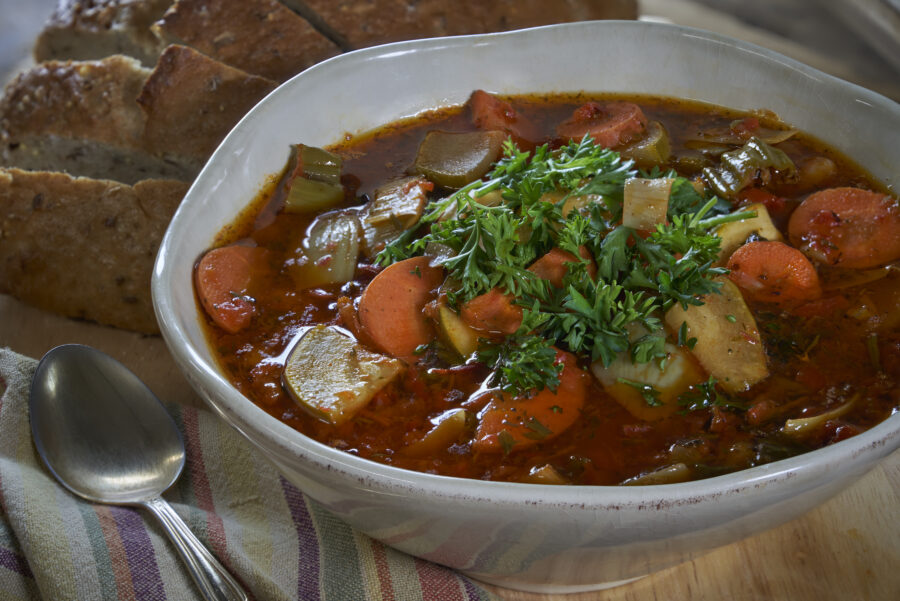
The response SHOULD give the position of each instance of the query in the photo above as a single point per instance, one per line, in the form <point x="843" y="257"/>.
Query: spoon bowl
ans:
<point x="96" y="445"/>
<point x="107" y="438"/>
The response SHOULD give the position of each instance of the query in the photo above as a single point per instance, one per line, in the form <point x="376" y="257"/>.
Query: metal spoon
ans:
<point x="107" y="438"/>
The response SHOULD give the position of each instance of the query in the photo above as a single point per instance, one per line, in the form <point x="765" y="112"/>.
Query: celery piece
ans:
<point x="309" y="196"/>
<point x="738" y="168"/>
<point x="670" y="474"/>
<point x="396" y="207"/>
<point x="315" y="180"/>
<point x="804" y="426"/>
<point x="318" y="164"/>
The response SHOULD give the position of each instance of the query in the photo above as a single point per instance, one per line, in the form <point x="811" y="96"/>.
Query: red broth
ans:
<point x="845" y="344"/>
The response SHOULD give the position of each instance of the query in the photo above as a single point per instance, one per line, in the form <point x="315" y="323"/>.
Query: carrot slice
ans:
<point x="774" y="272"/>
<point x="511" y="424"/>
<point x="611" y="124"/>
<point x="391" y="307"/>
<point x="223" y="278"/>
<point x="492" y="313"/>
<point x="552" y="266"/>
<point x="492" y="113"/>
<point x="847" y="227"/>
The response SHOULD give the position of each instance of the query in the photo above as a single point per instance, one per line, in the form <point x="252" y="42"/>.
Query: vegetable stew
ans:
<point x="565" y="290"/>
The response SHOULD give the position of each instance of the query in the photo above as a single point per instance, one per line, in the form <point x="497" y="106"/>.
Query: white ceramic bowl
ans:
<point x="531" y="537"/>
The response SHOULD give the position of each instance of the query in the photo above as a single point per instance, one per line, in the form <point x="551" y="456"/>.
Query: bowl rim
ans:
<point x="246" y="417"/>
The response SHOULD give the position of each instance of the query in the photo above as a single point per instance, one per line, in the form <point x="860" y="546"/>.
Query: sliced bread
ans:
<point x="361" y="23"/>
<point x="192" y="101"/>
<point x="262" y="37"/>
<point x="93" y="29"/>
<point x="83" y="247"/>
<point x="81" y="117"/>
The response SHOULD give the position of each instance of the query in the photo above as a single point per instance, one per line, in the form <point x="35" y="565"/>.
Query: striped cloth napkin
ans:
<point x="279" y="544"/>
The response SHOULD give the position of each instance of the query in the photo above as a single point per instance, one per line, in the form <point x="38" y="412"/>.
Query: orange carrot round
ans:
<point x="611" y="124"/>
<point x="511" y="424"/>
<point x="391" y="307"/>
<point x="223" y="279"/>
<point x="847" y="227"/>
<point x="774" y="272"/>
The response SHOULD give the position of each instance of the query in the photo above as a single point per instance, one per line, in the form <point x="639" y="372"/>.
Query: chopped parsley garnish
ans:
<point x="507" y="442"/>
<point x="648" y="392"/>
<point x="706" y="396"/>
<point x="536" y="430"/>
<point x="521" y="363"/>
<point x="638" y="278"/>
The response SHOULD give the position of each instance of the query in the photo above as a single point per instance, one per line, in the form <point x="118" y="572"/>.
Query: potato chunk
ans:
<point x="455" y="332"/>
<point x="728" y="346"/>
<point x="679" y="374"/>
<point x="448" y="428"/>
<point x="735" y="233"/>
<point x="331" y="376"/>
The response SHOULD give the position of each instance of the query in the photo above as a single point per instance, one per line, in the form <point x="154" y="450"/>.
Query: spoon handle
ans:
<point x="215" y="583"/>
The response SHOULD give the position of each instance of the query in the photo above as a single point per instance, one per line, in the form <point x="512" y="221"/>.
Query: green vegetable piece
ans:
<point x="804" y="426"/>
<point x="331" y="376"/>
<point x="654" y="148"/>
<point x="452" y="160"/>
<point x="319" y="164"/>
<point x="738" y="168"/>
<point x="315" y="183"/>
<point x="329" y="251"/>
<point x="397" y="206"/>
<point x="308" y="196"/>
<point x="670" y="474"/>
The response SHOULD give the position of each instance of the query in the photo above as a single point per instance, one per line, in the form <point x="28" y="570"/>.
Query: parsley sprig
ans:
<point x="636" y="280"/>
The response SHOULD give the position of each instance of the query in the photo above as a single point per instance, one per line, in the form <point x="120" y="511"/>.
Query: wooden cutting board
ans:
<point x="846" y="550"/>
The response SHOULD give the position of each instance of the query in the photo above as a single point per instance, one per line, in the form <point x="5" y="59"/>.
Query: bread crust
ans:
<point x="81" y="117"/>
<point x="77" y="99"/>
<point x="81" y="247"/>
<point x="192" y="101"/>
<point x="361" y="23"/>
<point x="259" y="36"/>
<point x="93" y="29"/>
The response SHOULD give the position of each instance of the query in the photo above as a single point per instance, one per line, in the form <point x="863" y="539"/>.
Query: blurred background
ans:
<point x="856" y="40"/>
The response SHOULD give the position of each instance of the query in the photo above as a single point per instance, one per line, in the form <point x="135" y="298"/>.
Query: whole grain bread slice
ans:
<point x="262" y="37"/>
<point x="192" y="101"/>
<point x="93" y="29"/>
<point x="82" y="247"/>
<point x="81" y="117"/>
<point x="362" y="23"/>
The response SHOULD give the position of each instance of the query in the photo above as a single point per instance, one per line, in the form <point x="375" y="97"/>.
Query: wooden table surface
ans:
<point x="846" y="550"/>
